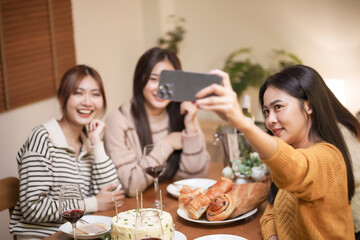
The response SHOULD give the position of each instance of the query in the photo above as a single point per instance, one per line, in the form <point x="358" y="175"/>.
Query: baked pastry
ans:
<point x="220" y="208"/>
<point x="187" y="194"/>
<point x="198" y="206"/>
<point x="247" y="196"/>
<point x="223" y="185"/>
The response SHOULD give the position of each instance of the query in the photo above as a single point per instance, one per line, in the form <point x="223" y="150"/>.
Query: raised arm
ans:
<point x="227" y="106"/>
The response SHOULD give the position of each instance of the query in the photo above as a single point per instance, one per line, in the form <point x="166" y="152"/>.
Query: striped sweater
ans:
<point x="45" y="162"/>
<point x="123" y="146"/>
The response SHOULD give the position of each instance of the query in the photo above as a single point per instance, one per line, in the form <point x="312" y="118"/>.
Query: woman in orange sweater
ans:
<point x="307" y="155"/>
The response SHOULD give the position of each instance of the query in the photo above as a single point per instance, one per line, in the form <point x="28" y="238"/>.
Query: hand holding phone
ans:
<point x="179" y="86"/>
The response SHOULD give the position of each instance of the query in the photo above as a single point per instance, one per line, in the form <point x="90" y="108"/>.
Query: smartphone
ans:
<point x="179" y="86"/>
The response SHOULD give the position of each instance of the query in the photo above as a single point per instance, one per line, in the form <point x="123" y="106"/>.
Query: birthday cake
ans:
<point x="123" y="225"/>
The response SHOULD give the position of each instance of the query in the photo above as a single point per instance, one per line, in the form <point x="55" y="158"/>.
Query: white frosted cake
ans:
<point x="123" y="226"/>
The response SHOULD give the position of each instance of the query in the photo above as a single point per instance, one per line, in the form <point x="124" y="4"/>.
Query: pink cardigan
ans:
<point x="123" y="146"/>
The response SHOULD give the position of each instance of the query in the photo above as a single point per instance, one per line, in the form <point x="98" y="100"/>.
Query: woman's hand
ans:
<point x="190" y="110"/>
<point x="96" y="130"/>
<point x="105" y="198"/>
<point x="273" y="237"/>
<point x="225" y="104"/>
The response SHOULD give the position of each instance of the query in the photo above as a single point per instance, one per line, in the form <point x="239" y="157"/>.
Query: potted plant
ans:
<point x="245" y="72"/>
<point x="173" y="37"/>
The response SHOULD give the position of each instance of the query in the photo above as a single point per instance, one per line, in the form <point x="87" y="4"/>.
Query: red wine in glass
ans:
<point x="154" y="171"/>
<point x="71" y="204"/>
<point x="73" y="215"/>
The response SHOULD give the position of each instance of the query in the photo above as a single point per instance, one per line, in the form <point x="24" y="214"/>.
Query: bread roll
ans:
<point x="247" y="197"/>
<point x="187" y="194"/>
<point x="223" y="185"/>
<point x="197" y="206"/>
<point x="220" y="208"/>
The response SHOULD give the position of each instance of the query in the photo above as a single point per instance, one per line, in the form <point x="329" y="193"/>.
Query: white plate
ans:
<point x="174" y="190"/>
<point x="66" y="227"/>
<point x="179" y="236"/>
<point x="203" y="220"/>
<point x="220" y="237"/>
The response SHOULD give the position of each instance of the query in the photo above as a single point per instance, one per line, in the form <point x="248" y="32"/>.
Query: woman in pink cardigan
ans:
<point x="172" y="127"/>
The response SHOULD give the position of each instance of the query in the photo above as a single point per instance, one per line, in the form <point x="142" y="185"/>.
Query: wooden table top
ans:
<point x="248" y="228"/>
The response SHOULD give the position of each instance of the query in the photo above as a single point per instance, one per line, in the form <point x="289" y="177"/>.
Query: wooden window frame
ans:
<point x="36" y="48"/>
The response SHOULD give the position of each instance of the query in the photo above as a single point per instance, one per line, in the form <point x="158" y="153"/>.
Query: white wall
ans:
<point x="325" y="34"/>
<point x="110" y="35"/>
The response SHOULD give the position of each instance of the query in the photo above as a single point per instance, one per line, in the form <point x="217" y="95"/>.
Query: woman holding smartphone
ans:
<point x="172" y="127"/>
<point x="307" y="156"/>
<point x="66" y="151"/>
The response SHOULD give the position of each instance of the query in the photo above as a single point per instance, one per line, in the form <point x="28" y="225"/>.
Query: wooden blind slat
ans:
<point x="29" y="72"/>
<point x="27" y="56"/>
<point x="2" y="95"/>
<point x="62" y="19"/>
<point x="34" y="42"/>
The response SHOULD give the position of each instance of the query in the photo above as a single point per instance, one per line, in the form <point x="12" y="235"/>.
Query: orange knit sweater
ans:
<point x="312" y="202"/>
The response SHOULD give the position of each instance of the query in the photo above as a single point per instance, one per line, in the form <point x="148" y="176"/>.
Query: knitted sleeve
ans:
<point x="194" y="158"/>
<point x="267" y="222"/>
<point x="103" y="169"/>
<point x="36" y="180"/>
<point x="309" y="173"/>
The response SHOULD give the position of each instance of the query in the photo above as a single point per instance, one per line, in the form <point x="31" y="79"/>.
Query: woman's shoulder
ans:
<point x="325" y="150"/>
<point x="324" y="146"/>
<point x="39" y="132"/>
<point x="121" y="117"/>
<point x="36" y="141"/>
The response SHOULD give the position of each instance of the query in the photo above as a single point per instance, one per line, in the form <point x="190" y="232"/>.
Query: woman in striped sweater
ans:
<point x="65" y="151"/>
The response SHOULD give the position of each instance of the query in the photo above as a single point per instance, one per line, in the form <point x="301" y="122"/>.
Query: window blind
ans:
<point x="37" y="47"/>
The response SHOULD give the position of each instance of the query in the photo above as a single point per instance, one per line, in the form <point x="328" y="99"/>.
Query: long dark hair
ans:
<point x="305" y="84"/>
<point x="141" y="76"/>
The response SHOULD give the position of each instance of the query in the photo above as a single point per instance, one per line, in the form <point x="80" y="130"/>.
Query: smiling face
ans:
<point x="287" y="118"/>
<point x="153" y="104"/>
<point x="85" y="103"/>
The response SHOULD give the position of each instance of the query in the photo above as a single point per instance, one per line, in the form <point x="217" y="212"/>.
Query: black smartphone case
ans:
<point x="179" y="86"/>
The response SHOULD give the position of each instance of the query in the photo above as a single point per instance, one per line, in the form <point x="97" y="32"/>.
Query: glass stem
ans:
<point x="157" y="199"/>
<point x="74" y="230"/>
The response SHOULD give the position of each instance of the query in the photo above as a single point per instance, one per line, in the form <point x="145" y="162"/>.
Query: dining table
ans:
<point x="248" y="228"/>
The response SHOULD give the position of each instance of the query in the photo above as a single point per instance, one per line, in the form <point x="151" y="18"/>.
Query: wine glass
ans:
<point x="148" y="225"/>
<point x="156" y="170"/>
<point x="71" y="204"/>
